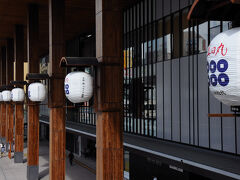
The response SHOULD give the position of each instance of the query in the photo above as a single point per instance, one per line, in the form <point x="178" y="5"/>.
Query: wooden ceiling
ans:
<point x="79" y="18"/>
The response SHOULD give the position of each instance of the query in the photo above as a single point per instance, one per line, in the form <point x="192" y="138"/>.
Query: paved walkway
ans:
<point x="11" y="171"/>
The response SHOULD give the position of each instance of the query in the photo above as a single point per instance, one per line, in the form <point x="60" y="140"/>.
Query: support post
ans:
<point x="19" y="113"/>
<point x="33" y="108"/>
<point x="109" y="94"/>
<point x="9" y="106"/>
<point x="57" y="99"/>
<point x="3" y="105"/>
<point x="1" y="138"/>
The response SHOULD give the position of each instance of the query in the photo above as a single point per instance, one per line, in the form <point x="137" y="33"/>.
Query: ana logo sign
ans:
<point x="217" y="73"/>
<point x="66" y="87"/>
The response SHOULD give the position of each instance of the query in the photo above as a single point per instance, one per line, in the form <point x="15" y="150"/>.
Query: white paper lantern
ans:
<point x="223" y="67"/>
<point x="6" y="95"/>
<point x="37" y="92"/>
<point x="18" y="95"/>
<point x="78" y="87"/>
<point x="1" y="97"/>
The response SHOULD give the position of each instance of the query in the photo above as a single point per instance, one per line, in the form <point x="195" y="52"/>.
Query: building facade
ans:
<point x="167" y="130"/>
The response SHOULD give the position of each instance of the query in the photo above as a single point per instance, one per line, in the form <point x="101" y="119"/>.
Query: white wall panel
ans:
<point x="175" y="101"/>
<point x="167" y="100"/>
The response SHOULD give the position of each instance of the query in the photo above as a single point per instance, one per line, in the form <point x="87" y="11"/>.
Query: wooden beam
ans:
<point x="109" y="50"/>
<point x="19" y="113"/>
<point x="33" y="108"/>
<point x="57" y="98"/>
<point x="9" y="107"/>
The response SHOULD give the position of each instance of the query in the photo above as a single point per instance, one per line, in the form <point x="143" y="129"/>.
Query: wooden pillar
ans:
<point x="1" y="101"/>
<point x="19" y="113"/>
<point x="33" y="108"/>
<point x="9" y="106"/>
<point x="3" y="106"/>
<point x="56" y="101"/>
<point x="109" y="108"/>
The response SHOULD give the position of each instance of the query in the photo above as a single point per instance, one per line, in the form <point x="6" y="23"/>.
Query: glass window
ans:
<point x="185" y="33"/>
<point x="160" y="40"/>
<point x="214" y="24"/>
<point x="167" y="38"/>
<point x="202" y="37"/>
<point x="215" y="29"/>
<point x="226" y="25"/>
<point x="176" y="35"/>
<point x="193" y="38"/>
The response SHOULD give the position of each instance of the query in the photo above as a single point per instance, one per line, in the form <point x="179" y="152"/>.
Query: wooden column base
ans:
<point x="33" y="135"/>
<point x="3" y="111"/>
<point x="109" y="146"/>
<point x="2" y="127"/>
<point x="57" y="144"/>
<point x="19" y="133"/>
<point x="10" y="117"/>
<point x="1" y="121"/>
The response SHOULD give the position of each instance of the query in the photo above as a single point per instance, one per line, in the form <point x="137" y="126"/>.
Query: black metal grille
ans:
<point x="164" y="45"/>
<point x="139" y="70"/>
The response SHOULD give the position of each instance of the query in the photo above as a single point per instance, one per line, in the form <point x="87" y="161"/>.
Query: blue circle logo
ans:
<point x="222" y="65"/>
<point x="223" y="79"/>
<point x="213" y="79"/>
<point x="213" y="66"/>
<point x="66" y="87"/>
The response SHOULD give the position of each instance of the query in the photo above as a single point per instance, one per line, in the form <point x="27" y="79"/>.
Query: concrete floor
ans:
<point x="11" y="171"/>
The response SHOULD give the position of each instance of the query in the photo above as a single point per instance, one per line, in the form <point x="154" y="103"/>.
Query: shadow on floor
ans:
<point x="43" y="173"/>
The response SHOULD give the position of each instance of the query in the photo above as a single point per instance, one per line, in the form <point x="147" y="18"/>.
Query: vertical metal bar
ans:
<point x="144" y="59"/>
<point x="124" y="69"/>
<point x="152" y="75"/>
<point x="171" y="41"/>
<point x="128" y="66"/>
<point x="197" y="98"/>
<point x="140" y="55"/>
<point x="189" y="96"/>
<point x="136" y="56"/>
<point x="193" y="83"/>
<point x="139" y="59"/>
<point x="209" y="135"/>
<point x="148" y="40"/>
<point x="156" y="53"/>
<point x="133" y="62"/>
<point x="181" y="53"/>
<point x="163" y="35"/>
